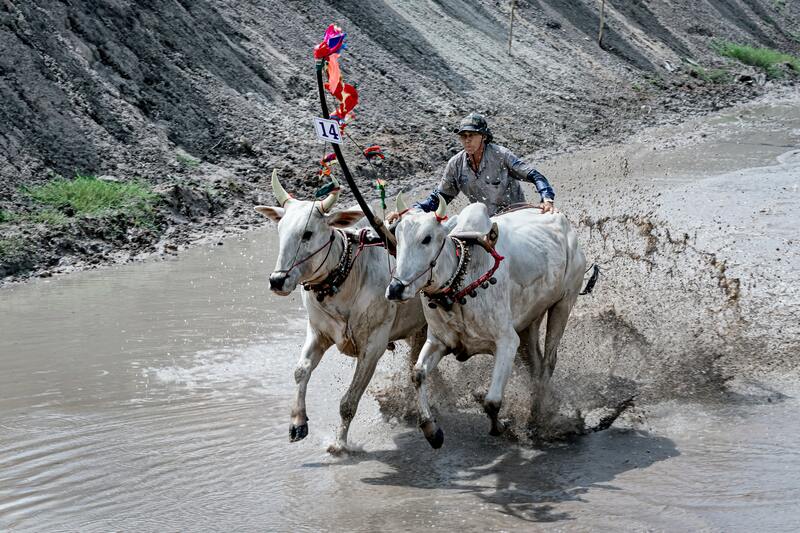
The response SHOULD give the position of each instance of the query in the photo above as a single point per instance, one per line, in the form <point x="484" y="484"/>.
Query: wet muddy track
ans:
<point x="157" y="395"/>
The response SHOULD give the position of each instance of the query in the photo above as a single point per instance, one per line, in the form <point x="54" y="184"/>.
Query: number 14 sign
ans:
<point x="328" y="130"/>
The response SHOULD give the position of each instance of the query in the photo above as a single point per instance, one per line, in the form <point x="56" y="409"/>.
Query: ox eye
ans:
<point x="426" y="240"/>
<point x="307" y="235"/>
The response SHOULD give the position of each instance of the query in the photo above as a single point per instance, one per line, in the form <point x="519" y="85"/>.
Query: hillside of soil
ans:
<point x="200" y="100"/>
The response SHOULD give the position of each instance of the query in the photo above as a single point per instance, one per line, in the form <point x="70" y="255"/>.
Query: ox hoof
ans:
<point x="338" y="449"/>
<point x="498" y="428"/>
<point x="437" y="439"/>
<point x="297" y="433"/>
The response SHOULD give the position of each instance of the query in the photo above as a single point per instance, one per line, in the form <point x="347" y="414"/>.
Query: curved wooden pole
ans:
<point x="374" y="221"/>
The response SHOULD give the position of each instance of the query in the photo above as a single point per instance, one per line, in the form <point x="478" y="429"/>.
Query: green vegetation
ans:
<point x="7" y="216"/>
<point x="86" y="195"/>
<point x="51" y="217"/>
<point x="764" y="58"/>
<point x="12" y="249"/>
<point x="715" y="75"/>
<point x="656" y="81"/>
<point x="187" y="161"/>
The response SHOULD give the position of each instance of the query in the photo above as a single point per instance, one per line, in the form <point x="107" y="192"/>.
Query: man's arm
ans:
<point x="448" y="188"/>
<point x="431" y="203"/>
<point x="524" y="171"/>
<point x="542" y="185"/>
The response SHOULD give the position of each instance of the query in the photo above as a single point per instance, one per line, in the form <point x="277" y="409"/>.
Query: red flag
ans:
<point x="349" y="101"/>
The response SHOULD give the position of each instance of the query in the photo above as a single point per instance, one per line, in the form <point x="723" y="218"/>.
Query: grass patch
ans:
<point x="187" y="161"/>
<point x="714" y="75"/>
<point x="764" y="58"/>
<point x="87" y="195"/>
<point x="51" y="217"/>
<point x="7" y="216"/>
<point x="12" y="249"/>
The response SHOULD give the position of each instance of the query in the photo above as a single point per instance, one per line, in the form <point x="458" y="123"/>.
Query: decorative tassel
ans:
<point x="380" y="185"/>
<point x="325" y="190"/>
<point x="332" y="42"/>
<point x="592" y="280"/>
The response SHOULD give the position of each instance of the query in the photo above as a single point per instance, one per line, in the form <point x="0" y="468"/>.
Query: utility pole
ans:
<point x="511" y="25"/>
<point x="602" y="22"/>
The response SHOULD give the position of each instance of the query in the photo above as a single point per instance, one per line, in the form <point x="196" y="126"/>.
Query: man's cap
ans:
<point x="474" y="122"/>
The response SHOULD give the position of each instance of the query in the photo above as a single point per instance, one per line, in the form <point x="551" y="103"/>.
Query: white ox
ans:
<point x="540" y="275"/>
<point x="355" y="316"/>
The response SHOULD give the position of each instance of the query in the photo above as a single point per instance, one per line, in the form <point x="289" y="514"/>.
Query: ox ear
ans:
<point x="272" y="213"/>
<point x="344" y="218"/>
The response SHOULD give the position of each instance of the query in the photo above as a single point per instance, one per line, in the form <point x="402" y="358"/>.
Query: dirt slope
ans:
<point x="137" y="90"/>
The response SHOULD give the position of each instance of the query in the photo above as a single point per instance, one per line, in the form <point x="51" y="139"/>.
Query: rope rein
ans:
<point x="429" y="269"/>
<point x="312" y="254"/>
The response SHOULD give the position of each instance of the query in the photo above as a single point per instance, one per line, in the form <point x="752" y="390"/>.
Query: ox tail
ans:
<point x="592" y="279"/>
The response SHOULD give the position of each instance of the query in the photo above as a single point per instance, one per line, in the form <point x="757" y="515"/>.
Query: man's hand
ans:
<point x="548" y="207"/>
<point x="392" y="217"/>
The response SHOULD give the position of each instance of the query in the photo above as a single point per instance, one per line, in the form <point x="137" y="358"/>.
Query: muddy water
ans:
<point x="155" y="397"/>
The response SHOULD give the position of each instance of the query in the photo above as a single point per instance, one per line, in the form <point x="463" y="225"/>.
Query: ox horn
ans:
<point x="399" y="203"/>
<point x="327" y="203"/>
<point x="441" y="211"/>
<point x="277" y="189"/>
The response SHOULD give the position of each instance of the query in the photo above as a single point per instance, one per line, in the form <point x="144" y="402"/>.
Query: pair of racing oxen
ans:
<point x="361" y="299"/>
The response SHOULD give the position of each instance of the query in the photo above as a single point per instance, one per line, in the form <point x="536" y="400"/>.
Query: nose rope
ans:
<point x="299" y="244"/>
<point x="318" y="250"/>
<point x="429" y="269"/>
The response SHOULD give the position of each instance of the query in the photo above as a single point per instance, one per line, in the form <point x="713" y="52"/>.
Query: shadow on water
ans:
<point x="524" y="483"/>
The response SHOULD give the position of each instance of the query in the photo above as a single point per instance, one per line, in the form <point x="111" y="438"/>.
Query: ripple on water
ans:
<point x="203" y="424"/>
<point x="251" y="367"/>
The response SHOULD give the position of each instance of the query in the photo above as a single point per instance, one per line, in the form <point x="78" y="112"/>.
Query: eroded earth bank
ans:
<point x="199" y="101"/>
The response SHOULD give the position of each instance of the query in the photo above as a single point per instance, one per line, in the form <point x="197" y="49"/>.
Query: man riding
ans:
<point x="485" y="172"/>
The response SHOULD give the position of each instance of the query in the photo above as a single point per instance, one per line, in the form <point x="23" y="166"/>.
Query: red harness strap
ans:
<point x="446" y="298"/>
<point x="483" y="279"/>
<point x="362" y="243"/>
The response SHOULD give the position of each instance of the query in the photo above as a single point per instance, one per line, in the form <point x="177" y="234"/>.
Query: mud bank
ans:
<point x="202" y="100"/>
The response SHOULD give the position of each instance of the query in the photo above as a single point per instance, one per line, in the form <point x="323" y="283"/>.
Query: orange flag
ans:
<point x="334" y="74"/>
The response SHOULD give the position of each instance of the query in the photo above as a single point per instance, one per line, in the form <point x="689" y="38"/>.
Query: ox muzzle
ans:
<point x="277" y="281"/>
<point x="395" y="290"/>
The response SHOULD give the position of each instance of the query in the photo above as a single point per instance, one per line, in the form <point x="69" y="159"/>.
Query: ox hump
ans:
<point x="473" y="219"/>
